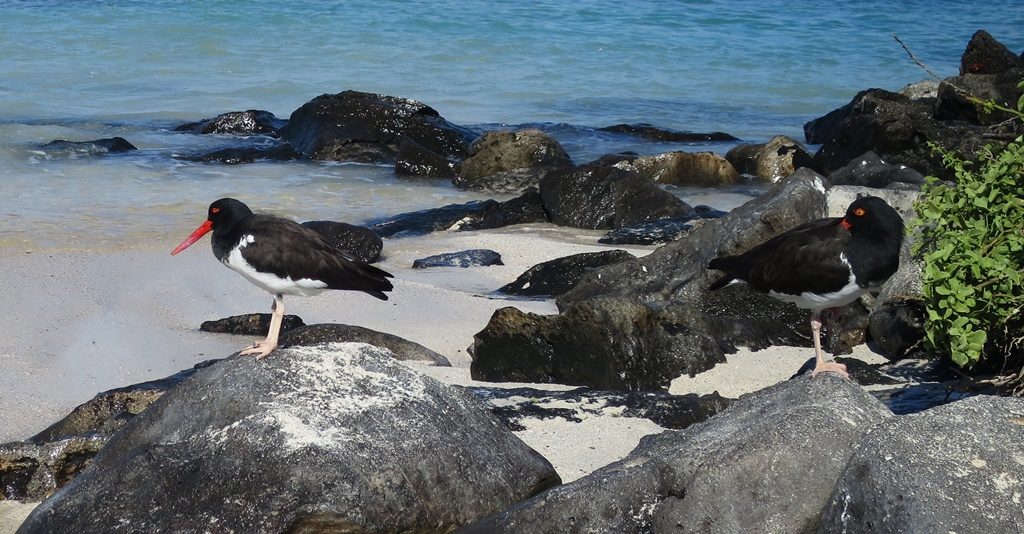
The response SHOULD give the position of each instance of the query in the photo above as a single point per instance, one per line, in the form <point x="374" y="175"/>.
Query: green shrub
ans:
<point x="971" y="238"/>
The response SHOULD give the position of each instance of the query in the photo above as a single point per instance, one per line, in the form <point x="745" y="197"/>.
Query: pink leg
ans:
<point x="822" y="366"/>
<point x="262" y="348"/>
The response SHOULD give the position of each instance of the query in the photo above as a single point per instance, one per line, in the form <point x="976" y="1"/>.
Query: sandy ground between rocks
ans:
<point x="81" y="322"/>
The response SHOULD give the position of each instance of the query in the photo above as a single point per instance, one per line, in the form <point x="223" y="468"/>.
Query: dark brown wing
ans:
<point x="806" y="258"/>
<point x="287" y="249"/>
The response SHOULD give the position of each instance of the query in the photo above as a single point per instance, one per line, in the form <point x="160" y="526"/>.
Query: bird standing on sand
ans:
<point x="824" y="264"/>
<point x="283" y="258"/>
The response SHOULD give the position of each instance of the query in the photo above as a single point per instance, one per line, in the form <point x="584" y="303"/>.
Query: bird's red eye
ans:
<point x="859" y="212"/>
<point x="217" y="210"/>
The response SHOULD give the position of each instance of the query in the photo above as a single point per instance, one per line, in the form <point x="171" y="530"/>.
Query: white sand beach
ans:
<point x="81" y="322"/>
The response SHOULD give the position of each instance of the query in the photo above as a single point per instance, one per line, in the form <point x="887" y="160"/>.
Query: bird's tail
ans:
<point x="726" y="264"/>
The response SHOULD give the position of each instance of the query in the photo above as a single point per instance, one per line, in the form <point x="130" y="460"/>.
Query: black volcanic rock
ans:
<point x="251" y="324"/>
<point x="250" y="122"/>
<point x="473" y="215"/>
<point x="237" y="155"/>
<point x="360" y="242"/>
<point x="339" y="437"/>
<point x="414" y="159"/>
<point x="869" y="170"/>
<point x="601" y="343"/>
<point x="557" y="276"/>
<point x="111" y="145"/>
<point x="595" y="197"/>
<point x="368" y="128"/>
<point x="895" y="127"/>
<point x="465" y="258"/>
<point x="648" y="131"/>
<point x="401" y="349"/>
<point x="985" y="55"/>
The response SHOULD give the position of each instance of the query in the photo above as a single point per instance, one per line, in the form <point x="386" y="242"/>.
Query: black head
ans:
<point x="221" y="217"/>
<point x="226" y="212"/>
<point x="872" y="216"/>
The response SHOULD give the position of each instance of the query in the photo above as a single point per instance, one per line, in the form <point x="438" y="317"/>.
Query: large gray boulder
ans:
<point x="953" y="468"/>
<point x="338" y="437"/>
<point x="767" y="463"/>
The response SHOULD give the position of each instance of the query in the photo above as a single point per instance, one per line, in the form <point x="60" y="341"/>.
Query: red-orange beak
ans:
<point x="844" y="223"/>
<point x="200" y="232"/>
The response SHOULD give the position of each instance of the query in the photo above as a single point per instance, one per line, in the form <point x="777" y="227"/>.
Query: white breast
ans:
<point x="270" y="281"/>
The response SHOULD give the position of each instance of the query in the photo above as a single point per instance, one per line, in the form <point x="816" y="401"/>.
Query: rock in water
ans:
<point x="953" y="468"/>
<point x="338" y="437"/>
<point x="478" y="257"/>
<point x="765" y="464"/>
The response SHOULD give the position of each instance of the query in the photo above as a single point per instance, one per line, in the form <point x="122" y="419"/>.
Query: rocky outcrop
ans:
<point x="337" y="437"/>
<point x="466" y="258"/>
<point x="771" y="161"/>
<point x="765" y="464"/>
<point x="1001" y="88"/>
<point x="953" y="468"/>
<point x="510" y="161"/>
<point x="678" y="270"/>
<point x="250" y="324"/>
<point x="985" y="55"/>
<point x="557" y="276"/>
<point x="368" y="128"/>
<point x="360" y="242"/>
<point x="600" y="343"/>
<point x="595" y="197"/>
<point x="869" y="170"/>
<point x="526" y="208"/>
<point x="648" y="131"/>
<point x="250" y="122"/>
<point x="701" y="169"/>
<point x="897" y="319"/>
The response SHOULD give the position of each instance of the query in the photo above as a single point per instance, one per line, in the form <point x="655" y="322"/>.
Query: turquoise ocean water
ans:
<point x="85" y="70"/>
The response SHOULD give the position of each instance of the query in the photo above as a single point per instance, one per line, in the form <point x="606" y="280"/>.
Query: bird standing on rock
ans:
<point x="823" y="264"/>
<point x="283" y="258"/>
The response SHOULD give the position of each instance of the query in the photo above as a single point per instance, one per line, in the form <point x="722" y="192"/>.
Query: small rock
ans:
<point x="869" y="170"/>
<point x="465" y="258"/>
<point x="651" y="233"/>
<point x="557" y="276"/>
<point x="252" y="324"/>
<point x="510" y="161"/>
<point x="251" y="122"/>
<point x="112" y="145"/>
<point x="985" y="55"/>
<point x="414" y="159"/>
<point x="235" y="156"/>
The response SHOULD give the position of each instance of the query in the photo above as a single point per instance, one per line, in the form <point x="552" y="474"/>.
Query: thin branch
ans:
<point x="914" y="58"/>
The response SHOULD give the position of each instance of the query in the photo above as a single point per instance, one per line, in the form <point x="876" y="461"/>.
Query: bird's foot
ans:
<point x="260" y="349"/>
<point x="830" y="367"/>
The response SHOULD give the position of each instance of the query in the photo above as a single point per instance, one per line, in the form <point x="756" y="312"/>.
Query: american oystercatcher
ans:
<point x="823" y="264"/>
<point x="283" y="258"/>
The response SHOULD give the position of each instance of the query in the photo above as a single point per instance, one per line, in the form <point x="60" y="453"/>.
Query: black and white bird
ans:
<point x="283" y="258"/>
<point x="824" y="264"/>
